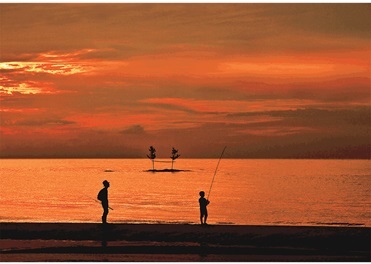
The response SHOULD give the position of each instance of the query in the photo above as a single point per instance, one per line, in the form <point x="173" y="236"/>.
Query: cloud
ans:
<point x="144" y="28"/>
<point x="231" y="106"/>
<point x="51" y="63"/>
<point x="344" y="19"/>
<point x="9" y="86"/>
<point x="268" y="80"/>
<point x="29" y="77"/>
<point x="133" y="130"/>
<point x="350" y="120"/>
<point x="40" y="122"/>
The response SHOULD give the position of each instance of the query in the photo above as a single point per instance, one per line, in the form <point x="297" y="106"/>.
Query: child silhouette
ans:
<point x="203" y="210"/>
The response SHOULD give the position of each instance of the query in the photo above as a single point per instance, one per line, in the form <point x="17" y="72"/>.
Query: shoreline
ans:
<point x="181" y="242"/>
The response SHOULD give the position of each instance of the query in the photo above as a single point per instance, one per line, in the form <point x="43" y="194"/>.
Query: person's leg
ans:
<point x="105" y="213"/>
<point x="205" y="218"/>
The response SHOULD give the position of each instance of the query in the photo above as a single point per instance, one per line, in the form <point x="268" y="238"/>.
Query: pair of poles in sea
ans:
<point x="211" y="185"/>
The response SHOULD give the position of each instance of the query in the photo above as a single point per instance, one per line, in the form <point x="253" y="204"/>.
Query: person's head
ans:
<point x="202" y="194"/>
<point x="106" y="183"/>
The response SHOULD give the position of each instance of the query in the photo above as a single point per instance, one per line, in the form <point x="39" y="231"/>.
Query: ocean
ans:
<point x="244" y="191"/>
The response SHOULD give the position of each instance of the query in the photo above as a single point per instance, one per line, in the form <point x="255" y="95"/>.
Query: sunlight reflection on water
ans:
<point x="292" y="192"/>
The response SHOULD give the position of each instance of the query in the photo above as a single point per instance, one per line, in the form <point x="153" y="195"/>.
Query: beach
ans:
<point x="181" y="242"/>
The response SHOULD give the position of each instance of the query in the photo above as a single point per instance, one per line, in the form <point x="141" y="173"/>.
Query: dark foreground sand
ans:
<point x="181" y="242"/>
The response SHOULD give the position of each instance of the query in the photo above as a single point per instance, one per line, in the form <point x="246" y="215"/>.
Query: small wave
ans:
<point x="292" y="223"/>
<point x="161" y="222"/>
<point x="337" y="223"/>
<point x="225" y="223"/>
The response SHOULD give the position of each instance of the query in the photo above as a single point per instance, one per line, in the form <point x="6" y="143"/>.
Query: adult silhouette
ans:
<point x="103" y="197"/>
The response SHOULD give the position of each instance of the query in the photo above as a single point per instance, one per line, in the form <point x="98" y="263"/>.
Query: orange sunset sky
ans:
<point x="109" y="80"/>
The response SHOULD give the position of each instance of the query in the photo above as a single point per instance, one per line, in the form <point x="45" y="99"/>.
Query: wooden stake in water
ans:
<point x="208" y="194"/>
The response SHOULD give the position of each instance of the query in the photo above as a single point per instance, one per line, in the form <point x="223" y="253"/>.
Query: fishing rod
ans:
<point x="216" y="169"/>
<point x="95" y="200"/>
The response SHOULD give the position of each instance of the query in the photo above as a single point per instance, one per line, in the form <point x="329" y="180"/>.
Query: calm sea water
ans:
<point x="267" y="192"/>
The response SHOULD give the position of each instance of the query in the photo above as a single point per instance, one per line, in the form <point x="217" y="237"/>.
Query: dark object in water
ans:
<point x="167" y="170"/>
<point x="108" y="171"/>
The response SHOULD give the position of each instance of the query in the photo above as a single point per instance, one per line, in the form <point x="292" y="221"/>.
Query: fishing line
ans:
<point x="95" y="200"/>
<point x="215" y="173"/>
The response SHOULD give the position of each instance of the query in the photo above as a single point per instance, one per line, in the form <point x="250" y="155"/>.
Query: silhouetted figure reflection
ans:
<point x="103" y="197"/>
<point x="203" y="210"/>
<point x="104" y="243"/>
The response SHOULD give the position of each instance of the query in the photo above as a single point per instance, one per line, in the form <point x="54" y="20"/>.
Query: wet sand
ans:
<point x="181" y="242"/>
